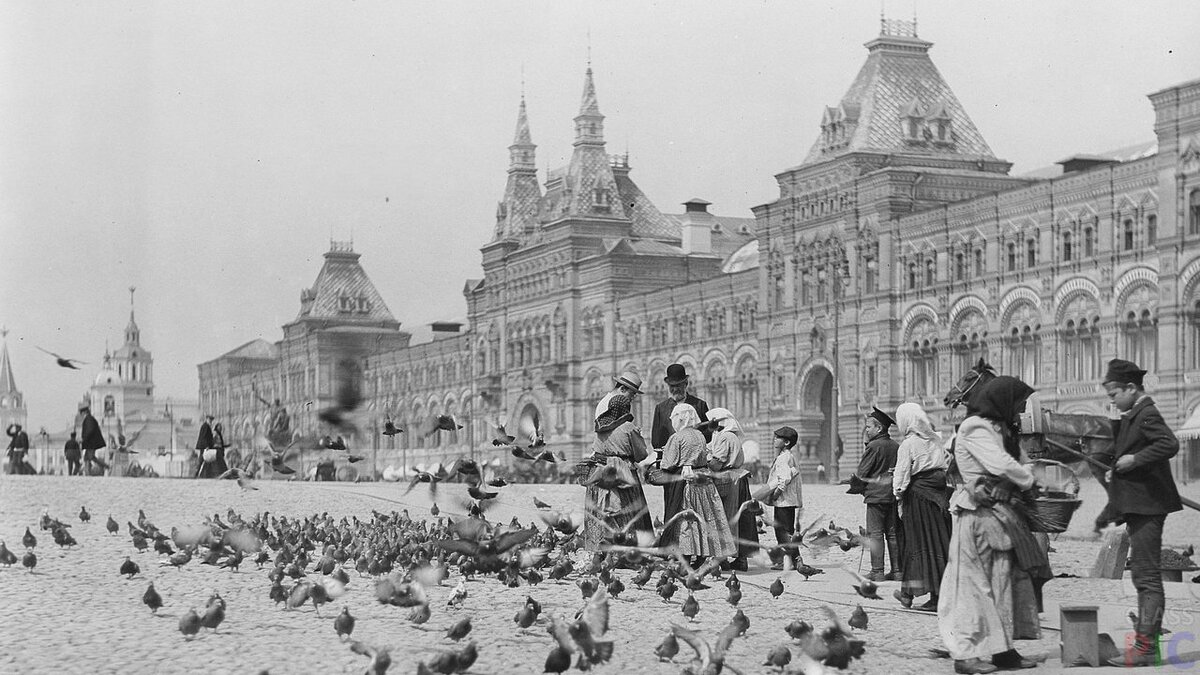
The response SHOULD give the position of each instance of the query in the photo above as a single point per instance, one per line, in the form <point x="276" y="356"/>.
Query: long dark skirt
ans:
<point x="672" y="504"/>
<point x="924" y="545"/>
<point x="744" y="529"/>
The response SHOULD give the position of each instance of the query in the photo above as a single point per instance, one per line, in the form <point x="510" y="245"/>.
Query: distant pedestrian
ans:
<point x="785" y="493"/>
<point x="91" y="441"/>
<point x="18" y="448"/>
<point x="73" y="453"/>
<point x="204" y="444"/>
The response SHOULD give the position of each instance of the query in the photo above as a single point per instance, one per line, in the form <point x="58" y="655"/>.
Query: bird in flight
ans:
<point x="64" y="362"/>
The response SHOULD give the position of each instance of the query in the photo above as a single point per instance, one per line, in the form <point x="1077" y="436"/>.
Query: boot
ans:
<point x="1143" y="652"/>
<point x="969" y="666"/>
<point x="1012" y="660"/>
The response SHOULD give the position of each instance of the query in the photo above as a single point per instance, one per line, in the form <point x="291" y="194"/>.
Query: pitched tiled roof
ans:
<point x="897" y="81"/>
<point x="342" y="291"/>
<point x="254" y="349"/>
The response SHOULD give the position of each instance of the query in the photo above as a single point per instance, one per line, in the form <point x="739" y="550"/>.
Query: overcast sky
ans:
<point x="206" y="152"/>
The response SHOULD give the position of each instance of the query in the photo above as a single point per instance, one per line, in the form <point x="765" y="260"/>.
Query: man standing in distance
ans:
<point x="92" y="439"/>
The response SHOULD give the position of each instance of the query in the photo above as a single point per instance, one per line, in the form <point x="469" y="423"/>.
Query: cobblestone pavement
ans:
<point x="77" y="614"/>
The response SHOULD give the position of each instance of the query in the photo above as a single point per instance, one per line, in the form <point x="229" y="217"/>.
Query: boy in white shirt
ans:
<point x="785" y="495"/>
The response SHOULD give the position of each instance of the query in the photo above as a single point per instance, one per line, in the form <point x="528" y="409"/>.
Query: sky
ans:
<point x="207" y="152"/>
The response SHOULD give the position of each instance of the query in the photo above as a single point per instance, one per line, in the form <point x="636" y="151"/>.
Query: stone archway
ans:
<point x="816" y="416"/>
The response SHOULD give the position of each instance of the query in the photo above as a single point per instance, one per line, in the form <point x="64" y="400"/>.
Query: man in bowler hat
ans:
<point x="1141" y="492"/>
<point x="661" y="429"/>
<point x="874" y="483"/>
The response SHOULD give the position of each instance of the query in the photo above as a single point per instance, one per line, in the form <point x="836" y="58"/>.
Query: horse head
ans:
<point x="981" y="373"/>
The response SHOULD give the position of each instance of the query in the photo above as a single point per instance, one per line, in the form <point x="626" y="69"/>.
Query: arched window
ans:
<point x="912" y="276"/>
<point x="978" y="262"/>
<point x="1012" y="257"/>
<point x="929" y="272"/>
<point x="1024" y="343"/>
<point x="1089" y="242"/>
<point x="1066" y="247"/>
<point x="1030" y="252"/>
<point x="922" y="357"/>
<point x="971" y="342"/>
<point x="1128" y="230"/>
<point x="1194" y="332"/>
<point x="1194" y="212"/>
<point x="960" y="267"/>
<point x="1151" y="228"/>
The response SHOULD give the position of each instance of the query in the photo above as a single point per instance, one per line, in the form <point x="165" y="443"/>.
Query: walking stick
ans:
<point x="1191" y="504"/>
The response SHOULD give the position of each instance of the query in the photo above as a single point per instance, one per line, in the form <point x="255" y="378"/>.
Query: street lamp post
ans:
<point x="837" y="280"/>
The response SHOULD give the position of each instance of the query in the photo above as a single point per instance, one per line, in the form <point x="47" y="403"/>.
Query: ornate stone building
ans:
<point x="898" y="251"/>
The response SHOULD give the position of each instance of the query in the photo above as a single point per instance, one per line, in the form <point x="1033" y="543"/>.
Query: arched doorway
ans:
<point x="816" y="419"/>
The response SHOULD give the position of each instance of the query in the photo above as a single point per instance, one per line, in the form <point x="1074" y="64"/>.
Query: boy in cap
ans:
<point x="785" y="494"/>
<point x="875" y="485"/>
<point x="1141" y="492"/>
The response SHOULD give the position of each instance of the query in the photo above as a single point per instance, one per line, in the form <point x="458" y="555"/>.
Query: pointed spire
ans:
<point x="589" y="105"/>
<point x="132" y="334"/>
<point x="8" y="384"/>
<point x="589" y="123"/>
<point x="522" y="137"/>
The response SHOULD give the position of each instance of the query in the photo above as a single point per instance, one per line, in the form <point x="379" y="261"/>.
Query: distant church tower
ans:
<point x="124" y="388"/>
<point x="12" y="401"/>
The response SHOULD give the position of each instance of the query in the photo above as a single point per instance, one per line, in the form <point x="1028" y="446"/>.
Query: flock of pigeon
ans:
<point x="312" y="560"/>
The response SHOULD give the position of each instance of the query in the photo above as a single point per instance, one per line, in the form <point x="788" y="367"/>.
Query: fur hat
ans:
<point x="1121" y="371"/>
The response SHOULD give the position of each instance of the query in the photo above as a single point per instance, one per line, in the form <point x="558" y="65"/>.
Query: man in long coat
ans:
<point x="1142" y="492"/>
<point x="661" y="429"/>
<point x="18" y="447"/>
<point x="875" y="485"/>
<point x="91" y="439"/>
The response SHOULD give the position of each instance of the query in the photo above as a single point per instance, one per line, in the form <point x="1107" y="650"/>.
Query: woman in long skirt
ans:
<point x="687" y="453"/>
<point x="988" y="539"/>
<point x="919" y="483"/>
<point x="725" y="459"/>
<point x="618" y="444"/>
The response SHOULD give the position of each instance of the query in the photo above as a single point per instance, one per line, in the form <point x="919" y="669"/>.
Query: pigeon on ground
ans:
<point x="344" y="623"/>
<point x="152" y="599"/>
<point x="129" y="568"/>
<point x="776" y="588"/>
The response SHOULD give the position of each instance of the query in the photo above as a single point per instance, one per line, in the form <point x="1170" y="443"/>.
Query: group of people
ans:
<point x="957" y="518"/>
<point x="80" y="453"/>
<point x="695" y="455"/>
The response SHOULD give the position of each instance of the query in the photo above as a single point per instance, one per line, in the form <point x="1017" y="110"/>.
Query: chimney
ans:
<point x="697" y="227"/>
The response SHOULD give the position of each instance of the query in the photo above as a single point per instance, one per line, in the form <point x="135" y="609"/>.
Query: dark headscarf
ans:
<point x="1000" y="401"/>
<point x="616" y="415"/>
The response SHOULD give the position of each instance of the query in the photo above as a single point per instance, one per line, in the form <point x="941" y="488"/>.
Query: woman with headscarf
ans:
<point x="989" y="538"/>
<point x="919" y="483"/>
<point x="618" y="444"/>
<point x="686" y="455"/>
<point x="725" y="459"/>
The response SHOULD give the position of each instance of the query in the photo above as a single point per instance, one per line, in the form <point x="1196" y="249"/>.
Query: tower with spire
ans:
<point x="12" y="401"/>
<point x="517" y="213"/>
<point x="124" y="387"/>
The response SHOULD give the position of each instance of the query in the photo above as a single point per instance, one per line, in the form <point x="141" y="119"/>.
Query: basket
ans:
<point x="1051" y="510"/>
<point x="581" y="471"/>
<point x="656" y="476"/>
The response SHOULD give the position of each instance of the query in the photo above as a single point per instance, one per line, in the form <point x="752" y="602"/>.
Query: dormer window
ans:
<point x="601" y="199"/>
<point x="913" y="121"/>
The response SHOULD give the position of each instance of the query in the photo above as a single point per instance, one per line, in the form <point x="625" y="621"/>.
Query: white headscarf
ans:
<point x="911" y="419"/>
<point x="683" y="415"/>
<point x="726" y="418"/>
